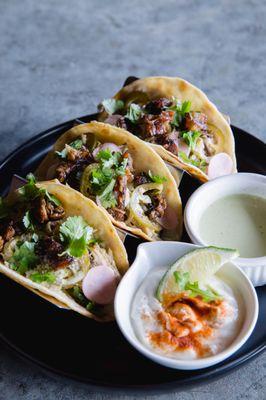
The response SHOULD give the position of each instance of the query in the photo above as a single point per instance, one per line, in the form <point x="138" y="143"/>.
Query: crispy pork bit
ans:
<point x="141" y="179"/>
<point x="170" y="142"/>
<point x="157" y="207"/>
<point x="117" y="213"/>
<point x="75" y="155"/>
<point x="45" y="211"/>
<point x="76" y="161"/>
<point x="48" y="249"/>
<point x="156" y="125"/>
<point x="155" y="107"/>
<point x="7" y="232"/>
<point x="196" y="121"/>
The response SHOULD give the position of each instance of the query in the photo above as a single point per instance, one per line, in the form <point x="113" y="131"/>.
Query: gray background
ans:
<point x="59" y="58"/>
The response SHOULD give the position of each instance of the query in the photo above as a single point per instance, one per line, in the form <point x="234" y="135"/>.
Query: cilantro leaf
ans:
<point x="24" y="258"/>
<point x="112" y="105"/>
<point x="48" y="277"/>
<point x="180" y="108"/>
<point x="27" y="221"/>
<point x="30" y="191"/>
<point x="182" y="279"/>
<point x="75" y="234"/>
<point x="107" y="198"/>
<point x="108" y="159"/>
<point x="191" y="137"/>
<point x="186" y="107"/>
<point x="156" y="178"/>
<point x="121" y="169"/>
<point x="134" y="113"/>
<point x="100" y="178"/>
<point x="207" y="295"/>
<point x="52" y="198"/>
<point x="76" y="144"/>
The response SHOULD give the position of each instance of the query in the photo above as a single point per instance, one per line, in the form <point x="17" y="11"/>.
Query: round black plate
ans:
<point x="71" y="345"/>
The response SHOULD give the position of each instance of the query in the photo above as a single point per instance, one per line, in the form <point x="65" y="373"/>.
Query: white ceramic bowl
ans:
<point x="150" y="255"/>
<point x="211" y="191"/>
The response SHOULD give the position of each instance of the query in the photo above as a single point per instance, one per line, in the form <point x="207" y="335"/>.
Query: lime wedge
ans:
<point x="201" y="264"/>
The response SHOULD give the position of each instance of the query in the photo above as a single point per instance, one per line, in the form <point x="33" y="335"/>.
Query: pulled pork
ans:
<point x="48" y="250"/>
<point x="155" y="125"/>
<point x="44" y="211"/>
<point x="196" y="121"/>
<point x="7" y="232"/>
<point x="155" y="107"/>
<point x="157" y="208"/>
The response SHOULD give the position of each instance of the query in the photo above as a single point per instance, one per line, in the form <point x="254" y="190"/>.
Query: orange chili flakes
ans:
<point x="185" y="321"/>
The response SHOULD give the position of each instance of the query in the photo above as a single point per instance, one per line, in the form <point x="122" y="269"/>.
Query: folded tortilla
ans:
<point x="75" y="204"/>
<point x="151" y="88"/>
<point x="144" y="160"/>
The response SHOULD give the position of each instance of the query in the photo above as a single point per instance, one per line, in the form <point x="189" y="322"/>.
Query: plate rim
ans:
<point x="207" y="374"/>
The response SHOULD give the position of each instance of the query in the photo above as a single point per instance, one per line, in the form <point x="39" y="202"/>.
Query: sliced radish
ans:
<point x="220" y="164"/>
<point x="110" y="146"/>
<point x="99" y="284"/>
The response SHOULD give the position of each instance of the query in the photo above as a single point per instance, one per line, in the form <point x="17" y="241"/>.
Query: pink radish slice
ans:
<point x="220" y="164"/>
<point x="99" y="284"/>
<point x="111" y="146"/>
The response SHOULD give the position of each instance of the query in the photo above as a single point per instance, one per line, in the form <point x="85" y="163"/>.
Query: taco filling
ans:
<point x="171" y="123"/>
<point x="62" y="253"/>
<point x="105" y="173"/>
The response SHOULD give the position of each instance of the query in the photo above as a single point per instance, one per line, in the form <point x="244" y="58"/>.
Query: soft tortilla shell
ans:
<point x="75" y="203"/>
<point x="161" y="86"/>
<point x="145" y="159"/>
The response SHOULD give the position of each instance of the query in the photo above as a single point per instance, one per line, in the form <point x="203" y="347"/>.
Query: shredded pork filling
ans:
<point x="106" y="174"/>
<point x="40" y="242"/>
<point x="171" y="124"/>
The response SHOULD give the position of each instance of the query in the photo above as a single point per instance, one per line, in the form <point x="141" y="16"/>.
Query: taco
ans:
<point x="122" y="174"/>
<point x="178" y="121"/>
<point x="61" y="246"/>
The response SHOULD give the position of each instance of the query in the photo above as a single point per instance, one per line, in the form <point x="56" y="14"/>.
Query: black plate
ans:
<point x="71" y="345"/>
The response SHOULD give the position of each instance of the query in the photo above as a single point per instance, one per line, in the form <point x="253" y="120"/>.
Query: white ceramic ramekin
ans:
<point x="150" y="255"/>
<point x="211" y="191"/>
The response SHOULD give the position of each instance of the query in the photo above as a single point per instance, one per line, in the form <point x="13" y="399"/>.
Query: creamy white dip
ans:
<point x="236" y="221"/>
<point x="145" y="307"/>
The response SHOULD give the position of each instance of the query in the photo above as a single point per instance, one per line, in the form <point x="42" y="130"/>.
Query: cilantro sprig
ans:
<point x="75" y="235"/>
<point x="180" y="109"/>
<point x="134" y="112"/>
<point x="38" y="277"/>
<point x="27" y="222"/>
<point x="24" y="257"/>
<point x="190" y="137"/>
<point x="157" y="178"/>
<point x="103" y="178"/>
<point x="76" y="144"/>
<point x="111" y="105"/>
<point x="30" y="191"/>
<point x="182" y="279"/>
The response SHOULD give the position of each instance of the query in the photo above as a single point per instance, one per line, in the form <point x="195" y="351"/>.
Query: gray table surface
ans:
<point x="60" y="58"/>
